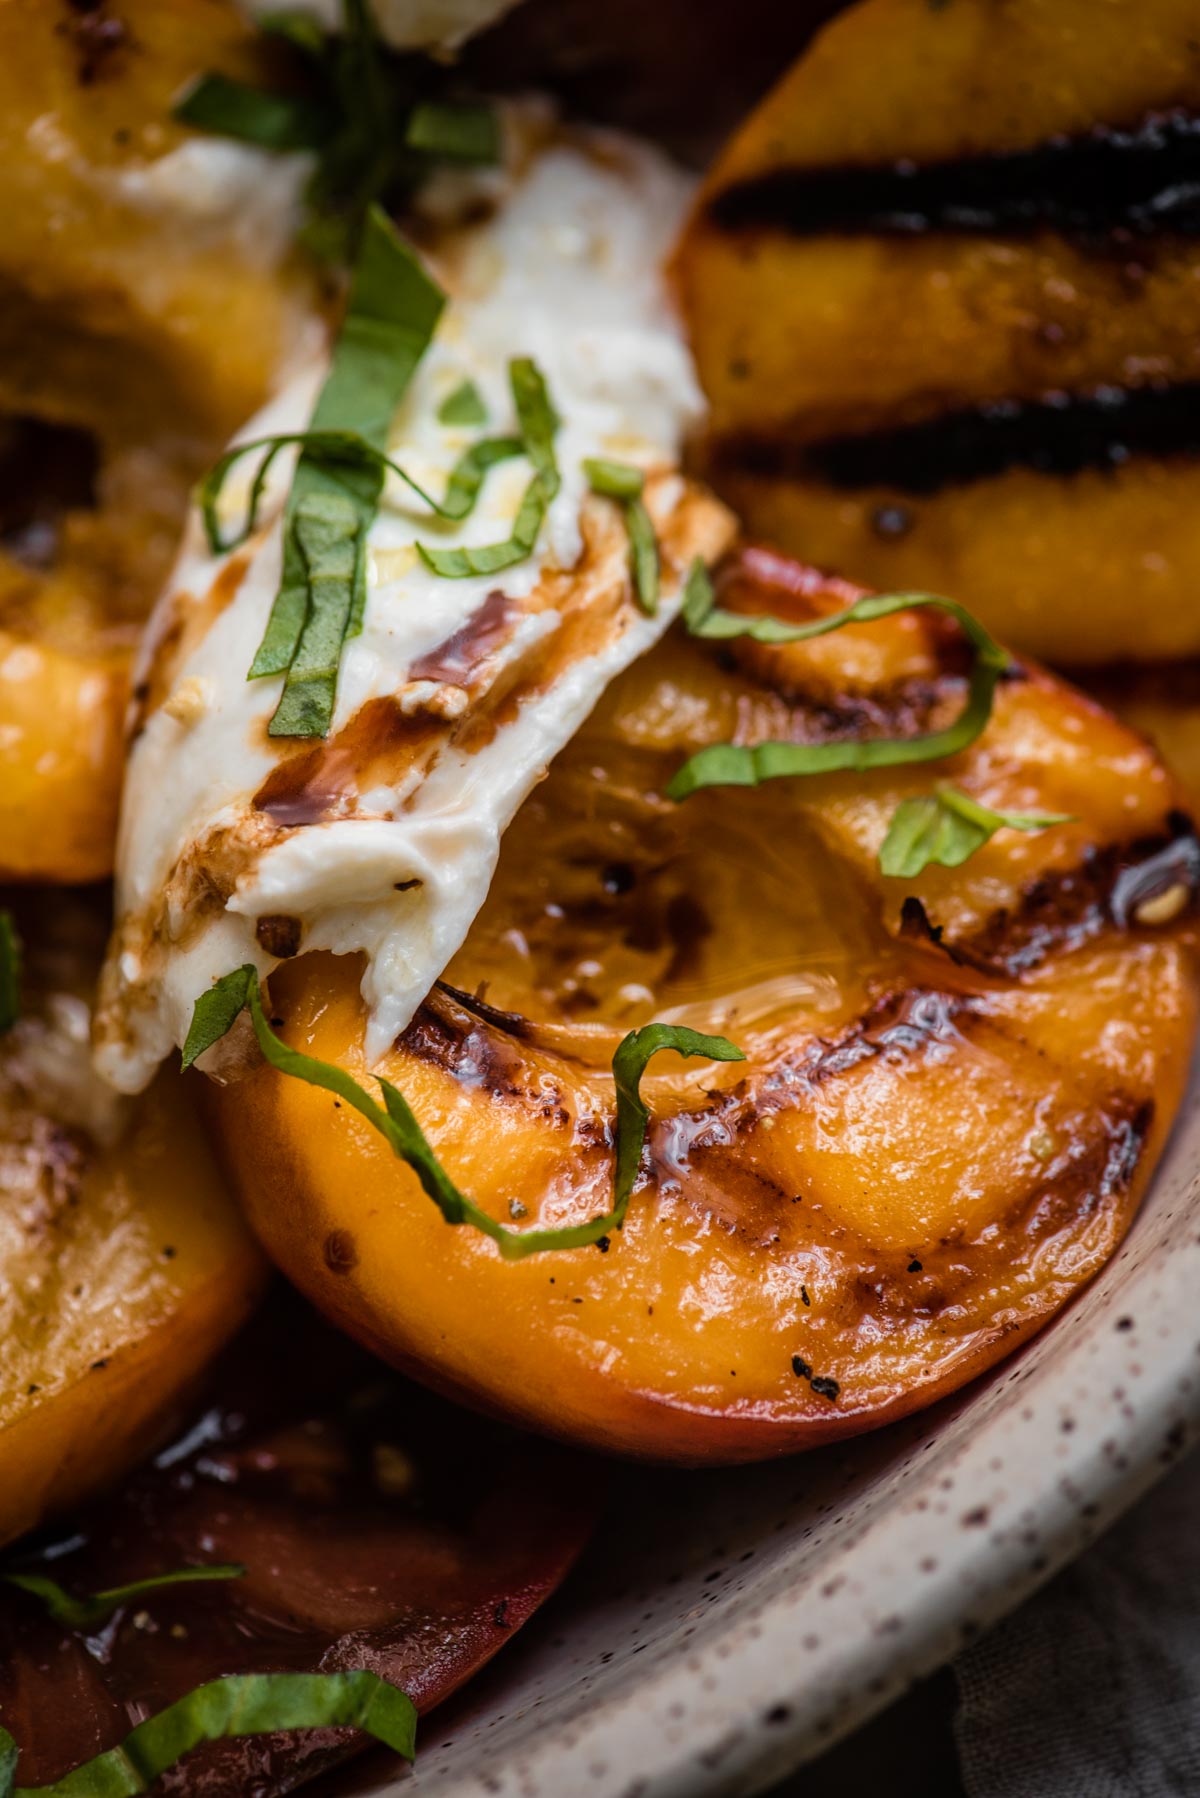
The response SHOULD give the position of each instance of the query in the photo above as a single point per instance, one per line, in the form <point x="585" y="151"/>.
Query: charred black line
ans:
<point x="480" y="1060"/>
<point x="435" y="1036"/>
<point x="1140" y="180"/>
<point x="1070" y="906"/>
<point x="1058" y="912"/>
<point x="445" y="1033"/>
<point x="903" y="708"/>
<point x="512" y="1023"/>
<point x="906" y="1022"/>
<point x="918" y="927"/>
<point x="1176" y="864"/>
<point x="1126" y="1142"/>
<point x="1092" y="1171"/>
<point x="1156" y="682"/>
<point x="1061" y="434"/>
<point x="552" y="1038"/>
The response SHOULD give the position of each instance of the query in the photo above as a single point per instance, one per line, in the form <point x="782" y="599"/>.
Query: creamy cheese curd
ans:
<point x="210" y="190"/>
<point x="457" y="694"/>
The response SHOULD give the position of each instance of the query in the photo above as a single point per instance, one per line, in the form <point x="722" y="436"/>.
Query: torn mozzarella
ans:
<point x="223" y="194"/>
<point x="382" y="839"/>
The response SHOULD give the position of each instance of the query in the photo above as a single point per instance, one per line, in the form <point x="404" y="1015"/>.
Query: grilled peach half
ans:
<point x="947" y="315"/>
<point x="144" y="294"/>
<point x="126" y="1265"/>
<point x="61" y="753"/>
<point x="1162" y="700"/>
<point x="141" y="320"/>
<point x="955" y="1086"/>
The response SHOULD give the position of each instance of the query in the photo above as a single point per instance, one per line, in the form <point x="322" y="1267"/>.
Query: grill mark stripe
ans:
<point x="1073" y="905"/>
<point x="906" y="708"/>
<point x="1141" y="179"/>
<point x="1058" y="912"/>
<point x="1062" y="434"/>
<point x="909" y="1019"/>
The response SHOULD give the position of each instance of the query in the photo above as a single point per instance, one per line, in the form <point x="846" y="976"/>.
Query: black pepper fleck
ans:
<point x="891" y="521"/>
<point x="279" y="935"/>
<point x="341" y="1252"/>
<point x="617" y="878"/>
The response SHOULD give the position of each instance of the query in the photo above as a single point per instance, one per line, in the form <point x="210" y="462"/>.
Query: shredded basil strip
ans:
<point x="539" y="424"/>
<point x="615" y="480"/>
<point x="458" y="133"/>
<point x="328" y="447"/>
<point x="345" y="447"/>
<point x="490" y="558"/>
<point x="468" y="474"/>
<point x="365" y="158"/>
<point x="243" y="1704"/>
<point x="216" y="1010"/>
<point x="731" y="764"/>
<point x="375" y="136"/>
<point x="273" y="121"/>
<point x="537" y="419"/>
<point x="391" y="315"/>
<point x="699" y="597"/>
<point x="87" y="1613"/>
<point x="947" y="826"/>
<point x="464" y="406"/>
<point x="643" y="555"/>
<point x="622" y="482"/>
<point x="329" y="532"/>
<point x="10" y="972"/>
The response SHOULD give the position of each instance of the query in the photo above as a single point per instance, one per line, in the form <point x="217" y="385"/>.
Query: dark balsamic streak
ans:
<point x="1060" y="434"/>
<point x="456" y="659"/>
<point x="1140" y="180"/>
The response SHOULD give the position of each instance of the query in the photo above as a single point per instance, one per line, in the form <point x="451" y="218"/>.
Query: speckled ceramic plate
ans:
<point x="730" y="1625"/>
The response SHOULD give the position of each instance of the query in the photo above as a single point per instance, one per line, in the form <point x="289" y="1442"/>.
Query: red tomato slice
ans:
<point x="379" y="1528"/>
